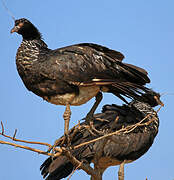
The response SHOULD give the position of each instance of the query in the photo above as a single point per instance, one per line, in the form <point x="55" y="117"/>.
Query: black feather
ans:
<point x="49" y="73"/>
<point x="125" y="146"/>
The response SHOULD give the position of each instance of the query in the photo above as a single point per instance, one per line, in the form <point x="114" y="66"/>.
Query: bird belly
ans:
<point x="105" y="162"/>
<point x="85" y="94"/>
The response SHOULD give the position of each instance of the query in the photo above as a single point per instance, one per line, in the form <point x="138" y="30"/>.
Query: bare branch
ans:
<point x="19" y="140"/>
<point x="95" y="173"/>
<point x="14" y="134"/>
<point x="2" y="128"/>
<point x="126" y="130"/>
<point x="86" y="167"/>
<point x="27" y="148"/>
<point x="74" y="171"/>
<point x="60" y="151"/>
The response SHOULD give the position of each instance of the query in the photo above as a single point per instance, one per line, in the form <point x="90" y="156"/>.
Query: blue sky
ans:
<point x="142" y="30"/>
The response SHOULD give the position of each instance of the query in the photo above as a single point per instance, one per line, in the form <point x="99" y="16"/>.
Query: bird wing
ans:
<point x="120" y="147"/>
<point x="88" y="65"/>
<point x="114" y="55"/>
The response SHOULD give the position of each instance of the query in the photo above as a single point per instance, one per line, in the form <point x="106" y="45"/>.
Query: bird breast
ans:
<point x="84" y="95"/>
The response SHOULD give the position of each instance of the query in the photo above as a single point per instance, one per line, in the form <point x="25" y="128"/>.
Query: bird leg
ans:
<point x="65" y="139"/>
<point x="66" y="116"/>
<point x="121" y="171"/>
<point x="90" y="116"/>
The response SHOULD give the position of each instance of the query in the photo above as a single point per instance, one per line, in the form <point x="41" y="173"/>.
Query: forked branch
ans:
<point x="93" y="172"/>
<point x="19" y="140"/>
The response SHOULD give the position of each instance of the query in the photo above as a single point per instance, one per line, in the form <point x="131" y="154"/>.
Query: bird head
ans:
<point x="152" y="98"/>
<point x="25" y="28"/>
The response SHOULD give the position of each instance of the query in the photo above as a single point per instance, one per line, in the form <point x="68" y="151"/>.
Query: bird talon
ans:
<point x="66" y="141"/>
<point x="89" y="118"/>
<point x="88" y="128"/>
<point x="102" y="120"/>
<point x="94" y="129"/>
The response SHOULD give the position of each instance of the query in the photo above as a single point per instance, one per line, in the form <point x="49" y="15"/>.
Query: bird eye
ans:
<point x="19" y="23"/>
<point x="16" y="23"/>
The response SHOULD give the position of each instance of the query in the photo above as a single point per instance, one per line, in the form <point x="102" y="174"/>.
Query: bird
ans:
<point x="119" y="148"/>
<point x="73" y="75"/>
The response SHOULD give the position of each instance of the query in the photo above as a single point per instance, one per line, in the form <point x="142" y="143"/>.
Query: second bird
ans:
<point x="73" y="75"/>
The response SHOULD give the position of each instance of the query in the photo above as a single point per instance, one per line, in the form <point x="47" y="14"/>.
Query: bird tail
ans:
<point x="134" y="84"/>
<point x="129" y="90"/>
<point x="139" y="93"/>
<point x="55" y="169"/>
<point x="136" y="74"/>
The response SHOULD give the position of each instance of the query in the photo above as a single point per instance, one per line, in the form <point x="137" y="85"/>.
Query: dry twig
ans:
<point x="59" y="151"/>
<point x="19" y="140"/>
<point x="74" y="171"/>
<point x="27" y="148"/>
<point x="127" y="129"/>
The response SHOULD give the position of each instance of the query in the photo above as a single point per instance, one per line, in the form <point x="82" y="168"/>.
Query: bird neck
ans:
<point x="30" y="50"/>
<point x="149" y="114"/>
<point x="31" y="33"/>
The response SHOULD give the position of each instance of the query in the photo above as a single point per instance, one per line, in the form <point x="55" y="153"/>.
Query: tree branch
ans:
<point x="126" y="130"/>
<point x="19" y="140"/>
<point x="27" y="148"/>
<point x="95" y="173"/>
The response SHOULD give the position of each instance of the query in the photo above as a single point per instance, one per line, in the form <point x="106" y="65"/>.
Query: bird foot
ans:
<point x="65" y="141"/>
<point x="90" y="125"/>
<point x="56" y="143"/>
<point x="102" y="120"/>
<point x="62" y="142"/>
<point x="89" y="118"/>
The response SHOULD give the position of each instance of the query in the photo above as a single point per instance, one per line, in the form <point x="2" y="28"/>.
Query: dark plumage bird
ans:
<point x="118" y="149"/>
<point x="73" y="75"/>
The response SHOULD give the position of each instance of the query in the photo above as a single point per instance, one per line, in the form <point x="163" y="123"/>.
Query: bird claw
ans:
<point x="102" y="120"/>
<point x="89" y="118"/>
<point x="94" y="129"/>
<point x="90" y="126"/>
<point x="65" y="141"/>
<point x="62" y="142"/>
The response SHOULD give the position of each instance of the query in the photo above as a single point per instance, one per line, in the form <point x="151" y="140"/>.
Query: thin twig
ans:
<point x="139" y="124"/>
<point x="127" y="129"/>
<point x="27" y="148"/>
<point x="2" y="128"/>
<point x="86" y="167"/>
<point x="60" y="151"/>
<point x="74" y="171"/>
<point x="19" y="140"/>
<point x="14" y="134"/>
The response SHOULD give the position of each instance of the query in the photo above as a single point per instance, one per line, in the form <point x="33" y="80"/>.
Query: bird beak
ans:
<point x="159" y="101"/>
<point x="15" y="29"/>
